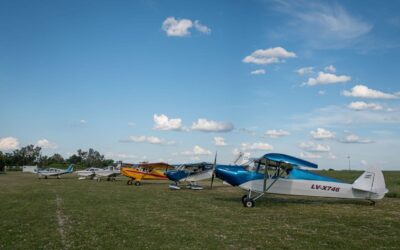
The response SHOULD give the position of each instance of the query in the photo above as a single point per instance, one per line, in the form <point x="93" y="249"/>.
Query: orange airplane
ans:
<point x="145" y="171"/>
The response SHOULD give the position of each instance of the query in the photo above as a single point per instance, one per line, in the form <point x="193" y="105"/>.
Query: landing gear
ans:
<point x="174" y="186"/>
<point x="45" y="176"/>
<point x="137" y="183"/>
<point x="243" y="198"/>
<point x="249" y="202"/>
<point x="129" y="182"/>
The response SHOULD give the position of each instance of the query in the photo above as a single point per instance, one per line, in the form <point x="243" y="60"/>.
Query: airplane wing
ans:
<point x="158" y="165"/>
<point x="291" y="160"/>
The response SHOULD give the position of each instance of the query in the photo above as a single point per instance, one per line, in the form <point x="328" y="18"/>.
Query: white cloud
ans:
<point x="352" y="138"/>
<point x="363" y="106"/>
<point x="321" y="133"/>
<point x="174" y="27"/>
<point x="321" y="92"/>
<point x="314" y="147"/>
<point x="276" y="133"/>
<point x="196" y="151"/>
<point x="205" y="125"/>
<point x="181" y="27"/>
<point x="331" y="156"/>
<point x="119" y="156"/>
<point x="219" y="141"/>
<point x="363" y="91"/>
<point x="340" y="116"/>
<point x="256" y="146"/>
<point x="148" y="139"/>
<point x="201" y="28"/>
<point x="9" y="143"/>
<point x="309" y="155"/>
<point x="330" y="68"/>
<point x="268" y="56"/>
<point x="305" y="70"/>
<point x="131" y="124"/>
<point x="162" y="122"/>
<point x="364" y="162"/>
<point x="327" y="78"/>
<point x="45" y="144"/>
<point x="323" y="24"/>
<point x="258" y="72"/>
<point x="82" y="121"/>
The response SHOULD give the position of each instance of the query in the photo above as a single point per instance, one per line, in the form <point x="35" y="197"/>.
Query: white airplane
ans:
<point x="282" y="174"/>
<point x="190" y="173"/>
<point x="110" y="172"/>
<point x="87" y="173"/>
<point x="54" y="172"/>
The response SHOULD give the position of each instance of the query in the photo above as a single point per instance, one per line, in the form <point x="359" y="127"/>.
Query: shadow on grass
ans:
<point x="278" y="201"/>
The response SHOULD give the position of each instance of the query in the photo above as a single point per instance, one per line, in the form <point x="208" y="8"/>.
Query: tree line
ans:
<point x="32" y="155"/>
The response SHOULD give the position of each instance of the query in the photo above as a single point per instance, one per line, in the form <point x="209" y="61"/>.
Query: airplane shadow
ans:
<point x="280" y="201"/>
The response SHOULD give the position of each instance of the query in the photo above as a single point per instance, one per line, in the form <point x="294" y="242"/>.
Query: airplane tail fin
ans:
<point x="70" y="168"/>
<point x="372" y="181"/>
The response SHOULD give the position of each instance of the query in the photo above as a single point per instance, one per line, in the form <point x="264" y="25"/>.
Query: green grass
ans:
<point x="112" y="215"/>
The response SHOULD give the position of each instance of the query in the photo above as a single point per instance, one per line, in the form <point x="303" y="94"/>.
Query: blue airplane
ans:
<point x="284" y="174"/>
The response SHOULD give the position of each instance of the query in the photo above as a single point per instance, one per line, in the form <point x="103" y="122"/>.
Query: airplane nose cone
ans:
<point x="234" y="175"/>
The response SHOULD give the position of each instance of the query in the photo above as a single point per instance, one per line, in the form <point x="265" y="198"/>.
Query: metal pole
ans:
<point x="348" y="157"/>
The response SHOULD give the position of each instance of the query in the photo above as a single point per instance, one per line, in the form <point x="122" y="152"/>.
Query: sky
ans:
<point x="178" y="81"/>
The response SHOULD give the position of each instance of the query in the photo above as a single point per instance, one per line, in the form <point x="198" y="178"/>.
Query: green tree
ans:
<point x="28" y="155"/>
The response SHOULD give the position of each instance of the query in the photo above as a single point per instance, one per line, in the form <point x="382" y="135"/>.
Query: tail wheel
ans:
<point x="129" y="182"/>
<point x="137" y="183"/>
<point x="249" y="203"/>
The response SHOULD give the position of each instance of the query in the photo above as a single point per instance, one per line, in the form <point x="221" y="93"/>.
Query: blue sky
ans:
<point x="179" y="80"/>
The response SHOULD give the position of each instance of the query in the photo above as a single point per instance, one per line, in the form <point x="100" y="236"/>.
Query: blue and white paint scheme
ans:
<point x="190" y="173"/>
<point x="283" y="174"/>
<point x="54" y="172"/>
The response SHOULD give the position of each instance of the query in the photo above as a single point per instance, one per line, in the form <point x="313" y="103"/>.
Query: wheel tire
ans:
<point x="129" y="182"/>
<point x="108" y="179"/>
<point x="137" y="183"/>
<point x="45" y="176"/>
<point x="249" y="203"/>
<point x="243" y="198"/>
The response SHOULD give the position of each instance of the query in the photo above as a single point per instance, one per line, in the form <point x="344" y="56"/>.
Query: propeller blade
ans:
<point x="213" y="172"/>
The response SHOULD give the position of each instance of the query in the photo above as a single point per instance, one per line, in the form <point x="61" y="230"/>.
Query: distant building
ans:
<point x="29" y="169"/>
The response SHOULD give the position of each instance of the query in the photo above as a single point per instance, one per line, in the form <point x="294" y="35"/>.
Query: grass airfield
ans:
<point x="69" y="213"/>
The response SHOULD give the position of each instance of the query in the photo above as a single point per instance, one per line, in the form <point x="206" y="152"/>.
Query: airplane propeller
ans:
<point x="213" y="172"/>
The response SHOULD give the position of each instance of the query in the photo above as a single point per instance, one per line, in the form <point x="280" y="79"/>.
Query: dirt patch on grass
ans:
<point x="61" y="220"/>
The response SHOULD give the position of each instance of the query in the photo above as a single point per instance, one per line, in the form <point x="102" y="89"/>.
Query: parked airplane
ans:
<point x="110" y="172"/>
<point x="54" y="172"/>
<point x="87" y="173"/>
<point x="190" y="173"/>
<point x="281" y="174"/>
<point x="146" y="171"/>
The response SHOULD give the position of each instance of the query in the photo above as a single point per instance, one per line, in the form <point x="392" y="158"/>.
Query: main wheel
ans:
<point x="249" y="203"/>
<point x="45" y="176"/>
<point x="243" y="198"/>
<point x="137" y="183"/>
<point x="129" y="182"/>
